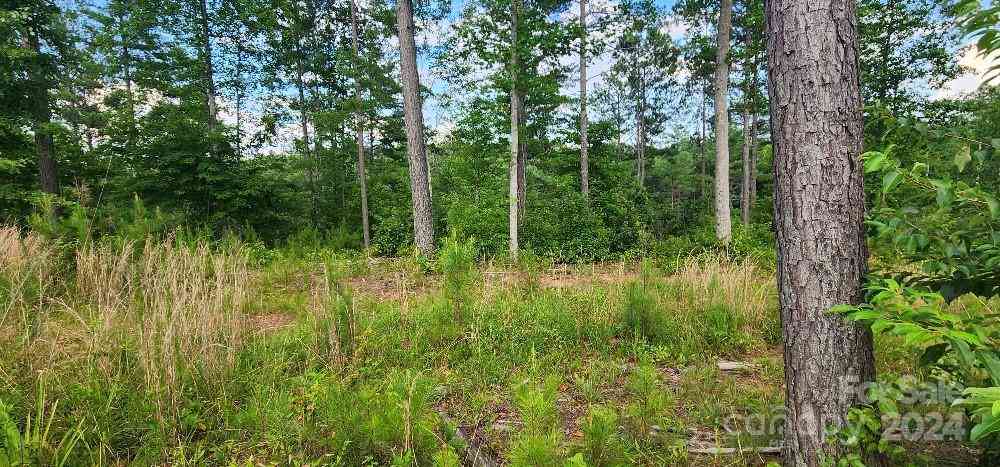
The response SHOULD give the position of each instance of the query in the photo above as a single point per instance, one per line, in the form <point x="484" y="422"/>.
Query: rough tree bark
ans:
<point x="48" y="175"/>
<point x="584" y="159"/>
<point x="723" y="219"/>
<point x="423" y="227"/>
<point x="360" y="129"/>
<point x="515" y="133"/>
<point x="816" y="119"/>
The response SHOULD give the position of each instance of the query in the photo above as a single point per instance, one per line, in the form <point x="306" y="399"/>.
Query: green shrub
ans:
<point x="458" y="263"/>
<point x="539" y="443"/>
<point x="650" y="401"/>
<point x="602" y="445"/>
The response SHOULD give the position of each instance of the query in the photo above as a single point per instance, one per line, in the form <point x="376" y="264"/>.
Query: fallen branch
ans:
<point x="719" y="451"/>
<point x="735" y="366"/>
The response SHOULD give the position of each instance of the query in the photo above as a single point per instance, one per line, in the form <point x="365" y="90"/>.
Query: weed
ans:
<point x="36" y="443"/>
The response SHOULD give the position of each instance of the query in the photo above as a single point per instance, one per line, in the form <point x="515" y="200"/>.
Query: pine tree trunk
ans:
<point x="515" y="142"/>
<point x="360" y="134"/>
<point x="209" y="68"/>
<point x="703" y="159"/>
<point x="423" y="227"/>
<point x="640" y="128"/>
<point x="311" y="170"/>
<point x="723" y="217"/>
<point x="48" y="176"/>
<point x="240" y="94"/>
<point x="819" y="210"/>
<point x="584" y="157"/>
<point x="749" y="129"/>
<point x="522" y="159"/>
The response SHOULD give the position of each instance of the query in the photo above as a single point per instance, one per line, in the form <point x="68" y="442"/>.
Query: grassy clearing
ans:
<point x="163" y="352"/>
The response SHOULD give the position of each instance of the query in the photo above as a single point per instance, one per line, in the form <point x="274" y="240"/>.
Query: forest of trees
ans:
<point x="820" y="133"/>
<point x="278" y="118"/>
<point x="285" y="117"/>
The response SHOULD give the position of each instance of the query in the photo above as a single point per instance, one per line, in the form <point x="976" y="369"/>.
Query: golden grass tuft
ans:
<point x="191" y="319"/>
<point x="178" y="309"/>
<point x="27" y="274"/>
<point x="741" y="286"/>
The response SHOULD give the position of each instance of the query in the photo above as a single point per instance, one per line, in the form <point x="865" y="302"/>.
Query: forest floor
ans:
<point x="346" y="360"/>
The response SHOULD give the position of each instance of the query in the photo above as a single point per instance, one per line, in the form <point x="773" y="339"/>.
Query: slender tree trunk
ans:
<point x="819" y="211"/>
<point x="640" y="129"/>
<point x="584" y="159"/>
<point x="619" y="124"/>
<point x="240" y="93"/>
<point x="515" y="143"/>
<point x="423" y="227"/>
<point x="703" y="159"/>
<point x="723" y="217"/>
<point x="753" y="165"/>
<point x="311" y="170"/>
<point x="130" y="96"/>
<point x="749" y="131"/>
<point x="48" y="175"/>
<point x="522" y="158"/>
<point x="209" y="68"/>
<point x="360" y="133"/>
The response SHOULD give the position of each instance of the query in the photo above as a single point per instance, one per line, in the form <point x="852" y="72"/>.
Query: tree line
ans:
<point x="272" y="118"/>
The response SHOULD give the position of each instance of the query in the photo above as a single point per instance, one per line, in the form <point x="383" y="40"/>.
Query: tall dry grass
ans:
<point x="28" y="273"/>
<point x="191" y="316"/>
<point x="177" y="310"/>
<point x="742" y="286"/>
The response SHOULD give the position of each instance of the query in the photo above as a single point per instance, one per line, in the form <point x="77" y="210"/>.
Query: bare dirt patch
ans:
<point x="269" y="322"/>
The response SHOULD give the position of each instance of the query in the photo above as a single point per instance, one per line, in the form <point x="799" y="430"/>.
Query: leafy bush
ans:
<point x="954" y="347"/>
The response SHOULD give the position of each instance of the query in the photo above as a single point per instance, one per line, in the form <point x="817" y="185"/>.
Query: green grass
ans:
<point x="341" y="360"/>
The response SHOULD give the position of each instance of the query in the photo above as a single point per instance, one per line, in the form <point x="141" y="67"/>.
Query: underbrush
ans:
<point x="155" y="352"/>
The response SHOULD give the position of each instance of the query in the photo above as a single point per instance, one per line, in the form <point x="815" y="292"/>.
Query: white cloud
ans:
<point x="976" y="65"/>
<point x="676" y="28"/>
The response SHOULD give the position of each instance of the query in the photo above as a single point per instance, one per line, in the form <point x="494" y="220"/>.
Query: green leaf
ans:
<point x="873" y="161"/>
<point x="865" y="315"/>
<point x="843" y="309"/>
<point x="945" y="193"/>
<point x="989" y="425"/>
<point x="890" y="180"/>
<point x="996" y="143"/>
<point x="965" y="356"/>
<point x="963" y="157"/>
<point x="992" y="364"/>
<point x="993" y="204"/>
